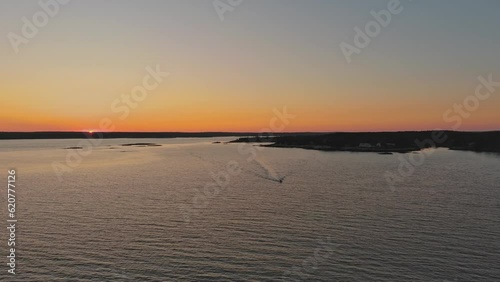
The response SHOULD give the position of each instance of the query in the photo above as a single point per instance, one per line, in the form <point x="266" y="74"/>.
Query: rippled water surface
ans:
<point x="191" y="210"/>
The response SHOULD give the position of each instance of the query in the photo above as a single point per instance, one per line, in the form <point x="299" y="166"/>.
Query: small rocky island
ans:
<point x="141" y="145"/>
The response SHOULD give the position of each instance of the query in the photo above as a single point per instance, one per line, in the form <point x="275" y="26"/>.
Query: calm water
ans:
<point x="157" y="214"/>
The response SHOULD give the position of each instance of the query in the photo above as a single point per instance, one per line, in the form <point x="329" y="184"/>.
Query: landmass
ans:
<point x="384" y="142"/>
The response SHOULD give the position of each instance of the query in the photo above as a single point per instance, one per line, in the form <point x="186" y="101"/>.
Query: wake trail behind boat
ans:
<point x="266" y="171"/>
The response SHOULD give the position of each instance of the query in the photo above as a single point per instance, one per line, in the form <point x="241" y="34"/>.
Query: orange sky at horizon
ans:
<point x="185" y="102"/>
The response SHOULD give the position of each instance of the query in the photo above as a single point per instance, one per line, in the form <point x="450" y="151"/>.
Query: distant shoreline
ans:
<point x="115" y="135"/>
<point x="378" y="142"/>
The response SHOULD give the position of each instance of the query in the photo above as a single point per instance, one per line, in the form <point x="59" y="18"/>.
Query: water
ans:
<point x="157" y="214"/>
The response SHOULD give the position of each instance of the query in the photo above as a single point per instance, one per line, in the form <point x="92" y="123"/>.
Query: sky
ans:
<point x="230" y="70"/>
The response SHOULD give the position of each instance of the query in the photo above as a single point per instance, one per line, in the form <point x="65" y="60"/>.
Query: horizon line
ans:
<point x="246" y="132"/>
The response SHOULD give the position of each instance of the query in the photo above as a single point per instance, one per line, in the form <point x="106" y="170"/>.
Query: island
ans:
<point x="383" y="142"/>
